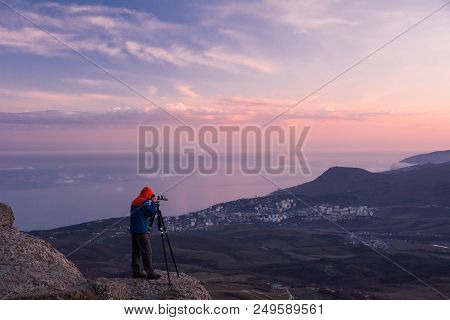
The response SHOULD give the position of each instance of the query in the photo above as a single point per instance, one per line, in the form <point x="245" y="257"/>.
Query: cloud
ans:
<point x="97" y="29"/>
<point x="187" y="91"/>
<point x="33" y="40"/>
<point x="254" y="102"/>
<point x="302" y="16"/>
<point x="237" y="35"/>
<point x="305" y="16"/>
<point x="215" y="57"/>
<point x="152" y="90"/>
<point x="263" y="109"/>
<point x="193" y="114"/>
<point x="94" y="83"/>
<point x="220" y="56"/>
<point x="332" y="114"/>
<point x="112" y="19"/>
<point x="30" y="40"/>
<point x="58" y="117"/>
<point x="41" y="99"/>
<point x="91" y="108"/>
<point x="176" y="55"/>
<point x="118" y="32"/>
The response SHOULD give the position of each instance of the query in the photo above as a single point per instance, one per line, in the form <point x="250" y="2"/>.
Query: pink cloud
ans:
<point x="187" y="91"/>
<point x="215" y="57"/>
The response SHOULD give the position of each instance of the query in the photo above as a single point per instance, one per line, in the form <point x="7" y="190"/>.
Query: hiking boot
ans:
<point x="153" y="276"/>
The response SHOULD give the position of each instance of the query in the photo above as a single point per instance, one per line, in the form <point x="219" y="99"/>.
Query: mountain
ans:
<point x="31" y="268"/>
<point x="425" y="185"/>
<point x="433" y="157"/>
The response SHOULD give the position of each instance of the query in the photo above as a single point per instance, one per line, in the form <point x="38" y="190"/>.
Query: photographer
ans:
<point x="142" y="208"/>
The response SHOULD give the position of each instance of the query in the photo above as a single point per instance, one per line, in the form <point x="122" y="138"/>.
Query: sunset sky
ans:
<point x="224" y="62"/>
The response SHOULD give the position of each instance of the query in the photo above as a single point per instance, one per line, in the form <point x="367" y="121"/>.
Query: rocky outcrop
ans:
<point x="185" y="287"/>
<point x="6" y="216"/>
<point x="31" y="268"/>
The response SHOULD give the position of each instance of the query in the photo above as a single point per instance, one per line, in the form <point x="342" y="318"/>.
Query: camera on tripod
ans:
<point x="163" y="231"/>
<point x="162" y="198"/>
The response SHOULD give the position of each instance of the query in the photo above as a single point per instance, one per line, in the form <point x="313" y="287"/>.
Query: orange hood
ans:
<point x="145" y="195"/>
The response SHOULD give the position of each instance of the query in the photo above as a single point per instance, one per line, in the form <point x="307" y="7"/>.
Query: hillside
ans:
<point x="433" y="157"/>
<point x="425" y="185"/>
<point x="305" y="259"/>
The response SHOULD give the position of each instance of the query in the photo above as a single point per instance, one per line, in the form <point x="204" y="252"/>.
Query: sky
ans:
<point x="78" y="76"/>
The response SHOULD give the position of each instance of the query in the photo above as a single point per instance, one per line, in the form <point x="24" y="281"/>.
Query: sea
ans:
<point x="50" y="190"/>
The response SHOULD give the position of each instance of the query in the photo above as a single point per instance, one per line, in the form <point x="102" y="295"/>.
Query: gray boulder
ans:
<point x="30" y="266"/>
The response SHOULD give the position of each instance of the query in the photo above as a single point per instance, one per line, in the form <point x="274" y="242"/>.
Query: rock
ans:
<point x="31" y="268"/>
<point x="6" y="216"/>
<point x="185" y="287"/>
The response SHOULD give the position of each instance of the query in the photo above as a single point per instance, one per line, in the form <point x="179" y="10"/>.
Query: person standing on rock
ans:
<point x="142" y="208"/>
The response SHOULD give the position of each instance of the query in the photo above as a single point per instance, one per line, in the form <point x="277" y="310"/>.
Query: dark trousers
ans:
<point x="141" y="247"/>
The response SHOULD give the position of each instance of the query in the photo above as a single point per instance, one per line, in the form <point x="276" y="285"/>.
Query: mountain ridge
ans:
<point x="432" y="157"/>
<point x="427" y="184"/>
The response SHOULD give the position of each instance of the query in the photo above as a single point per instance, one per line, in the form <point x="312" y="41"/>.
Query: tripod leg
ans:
<point x="170" y="246"/>
<point x="164" y="249"/>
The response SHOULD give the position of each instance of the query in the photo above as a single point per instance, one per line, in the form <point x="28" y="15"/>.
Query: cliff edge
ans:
<point x="31" y="268"/>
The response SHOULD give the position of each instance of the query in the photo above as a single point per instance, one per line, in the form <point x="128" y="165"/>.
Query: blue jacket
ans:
<point x="139" y="215"/>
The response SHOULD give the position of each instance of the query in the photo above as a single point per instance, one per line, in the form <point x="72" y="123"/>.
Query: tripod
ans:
<point x="163" y="231"/>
